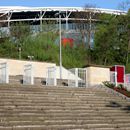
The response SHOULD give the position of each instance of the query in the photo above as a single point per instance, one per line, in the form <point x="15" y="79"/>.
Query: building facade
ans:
<point x="75" y="21"/>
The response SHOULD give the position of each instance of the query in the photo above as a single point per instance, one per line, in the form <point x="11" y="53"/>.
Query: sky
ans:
<point x="110" y="4"/>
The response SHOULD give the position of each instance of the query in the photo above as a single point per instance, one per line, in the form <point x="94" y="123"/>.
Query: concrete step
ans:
<point x="33" y="98"/>
<point x="7" y="106"/>
<point x="63" y="114"/>
<point x="60" y="105"/>
<point x="54" y="93"/>
<point x="13" y="111"/>
<point x="91" y="118"/>
<point x="64" y="122"/>
<point x="66" y="127"/>
<point x="57" y="89"/>
<point x="64" y="93"/>
<point x="57" y="97"/>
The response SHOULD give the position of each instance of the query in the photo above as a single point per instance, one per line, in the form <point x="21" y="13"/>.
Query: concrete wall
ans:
<point x="16" y="67"/>
<point x="96" y="75"/>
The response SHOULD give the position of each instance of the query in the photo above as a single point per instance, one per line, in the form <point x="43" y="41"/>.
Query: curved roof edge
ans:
<point x="5" y="9"/>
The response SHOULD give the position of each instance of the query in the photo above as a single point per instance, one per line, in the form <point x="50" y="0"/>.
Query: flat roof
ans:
<point x="94" y="65"/>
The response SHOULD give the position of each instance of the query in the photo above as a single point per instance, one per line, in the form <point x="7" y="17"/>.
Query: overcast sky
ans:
<point x="111" y="4"/>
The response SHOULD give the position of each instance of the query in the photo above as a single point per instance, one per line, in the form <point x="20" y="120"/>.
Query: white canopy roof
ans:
<point x="6" y="9"/>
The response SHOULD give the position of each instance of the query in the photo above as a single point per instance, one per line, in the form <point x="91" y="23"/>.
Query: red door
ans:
<point x="120" y="73"/>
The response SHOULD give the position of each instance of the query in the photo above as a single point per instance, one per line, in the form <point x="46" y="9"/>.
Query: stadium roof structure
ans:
<point x="6" y="9"/>
<point x="9" y="11"/>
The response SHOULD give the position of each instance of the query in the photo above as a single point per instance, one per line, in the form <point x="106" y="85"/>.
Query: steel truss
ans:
<point x="6" y="13"/>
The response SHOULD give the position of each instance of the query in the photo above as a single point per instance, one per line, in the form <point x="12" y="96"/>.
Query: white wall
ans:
<point x="96" y="75"/>
<point x="16" y="67"/>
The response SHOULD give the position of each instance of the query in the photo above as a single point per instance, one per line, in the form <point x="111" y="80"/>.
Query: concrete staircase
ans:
<point x="61" y="108"/>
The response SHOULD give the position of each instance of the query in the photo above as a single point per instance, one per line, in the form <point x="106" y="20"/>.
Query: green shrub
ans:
<point x="109" y="84"/>
<point x="122" y="87"/>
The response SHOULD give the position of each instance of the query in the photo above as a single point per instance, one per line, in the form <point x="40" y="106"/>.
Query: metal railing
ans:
<point x="77" y="77"/>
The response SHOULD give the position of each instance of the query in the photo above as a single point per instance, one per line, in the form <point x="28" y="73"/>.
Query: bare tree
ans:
<point x="124" y="5"/>
<point x="85" y="26"/>
<point x="84" y="23"/>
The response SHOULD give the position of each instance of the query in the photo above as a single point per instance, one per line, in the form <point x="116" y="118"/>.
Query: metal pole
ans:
<point x="90" y="29"/>
<point x="41" y="21"/>
<point x="19" y="52"/>
<point x="60" y="46"/>
<point x="66" y="22"/>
